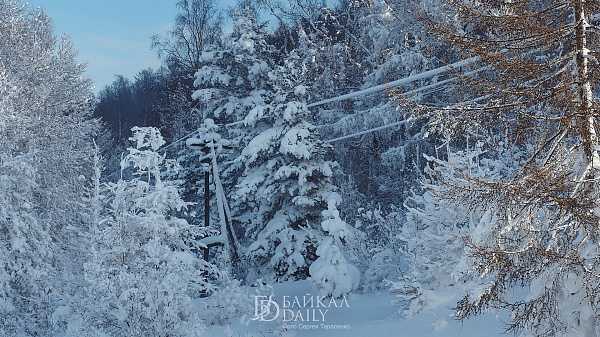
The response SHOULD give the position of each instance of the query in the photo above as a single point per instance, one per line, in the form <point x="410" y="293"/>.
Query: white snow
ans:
<point x="211" y="240"/>
<point x="258" y="144"/>
<point x="300" y="90"/>
<point x="371" y="314"/>
<point x="294" y="143"/>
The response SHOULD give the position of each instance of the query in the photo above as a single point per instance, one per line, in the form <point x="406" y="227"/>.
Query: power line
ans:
<point x="385" y="126"/>
<point x="423" y="75"/>
<point x="365" y="132"/>
<point x="235" y="123"/>
<point x="437" y="84"/>
<point x="381" y="87"/>
<point x="179" y="140"/>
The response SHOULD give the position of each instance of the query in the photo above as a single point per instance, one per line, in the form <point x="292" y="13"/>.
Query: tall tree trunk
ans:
<point x="584" y="87"/>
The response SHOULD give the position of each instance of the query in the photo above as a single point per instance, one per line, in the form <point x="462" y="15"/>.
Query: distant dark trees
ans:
<point x="124" y="104"/>
<point x="161" y="97"/>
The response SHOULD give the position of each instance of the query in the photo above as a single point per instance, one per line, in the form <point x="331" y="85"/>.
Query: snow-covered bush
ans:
<point x="143" y="274"/>
<point x="331" y="273"/>
<point x="226" y="305"/>
<point x="432" y="236"/>
<point x="377" y="247"/>
<point x="432" y="246"/>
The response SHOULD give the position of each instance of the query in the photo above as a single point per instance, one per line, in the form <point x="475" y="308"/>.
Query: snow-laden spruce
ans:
<point x="281" y="176"/>
<point x="331" y="273"/>
<point x="233" y="80"/>
<point x="144" y="272"/>
<point x="287" y="179"/>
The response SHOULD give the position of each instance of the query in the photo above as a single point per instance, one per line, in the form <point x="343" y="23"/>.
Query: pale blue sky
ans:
<point x="113" y="36"/>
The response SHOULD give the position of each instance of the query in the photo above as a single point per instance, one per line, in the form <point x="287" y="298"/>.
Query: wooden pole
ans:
<point x="206" y="205"/>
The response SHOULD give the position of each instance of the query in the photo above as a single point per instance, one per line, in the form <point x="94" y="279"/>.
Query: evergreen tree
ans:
<point x="233" y="81"/>
<point x="116" y="106"/>
<point x="330" y="272"/>
<point x="286" y="181"/>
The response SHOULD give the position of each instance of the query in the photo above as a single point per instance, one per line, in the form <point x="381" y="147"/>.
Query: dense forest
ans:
<point x="445" y="151"/>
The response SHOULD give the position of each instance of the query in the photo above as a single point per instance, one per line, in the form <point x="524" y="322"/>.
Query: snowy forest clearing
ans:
<point x="366" y="315"/>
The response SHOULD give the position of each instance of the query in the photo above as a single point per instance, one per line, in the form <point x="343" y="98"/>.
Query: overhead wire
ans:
<point x="405" y="80"/>
<point x="366" y="131"/>
<point x="381" y="87"/>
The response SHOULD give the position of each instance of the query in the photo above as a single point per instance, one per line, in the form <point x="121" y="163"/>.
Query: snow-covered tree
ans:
<point x="330" y="272"/>
<point x="26" y="299"/>
<point x="233" y="79"/>
<point x="144" y="273"/>
<point x="46" y="136"/>
<point x="286" y="181"/>
<point x="432" y="233"/>
<point x="531" y="101"/>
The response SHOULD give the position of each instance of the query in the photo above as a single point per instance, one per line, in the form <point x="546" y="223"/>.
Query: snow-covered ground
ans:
<point x="362" y="315"/>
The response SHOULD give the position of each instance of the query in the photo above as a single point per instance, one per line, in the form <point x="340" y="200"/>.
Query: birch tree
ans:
<point x="46" y="135"/>
<point x="532" y="94"/>
<point x="197" y="25"/>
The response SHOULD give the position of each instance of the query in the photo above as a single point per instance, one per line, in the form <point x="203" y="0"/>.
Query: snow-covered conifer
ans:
<point x="233" y="80"/>
<point x="286" y="181"/>
<point x="330" y="272"/>
<point x="530" y="100"/>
